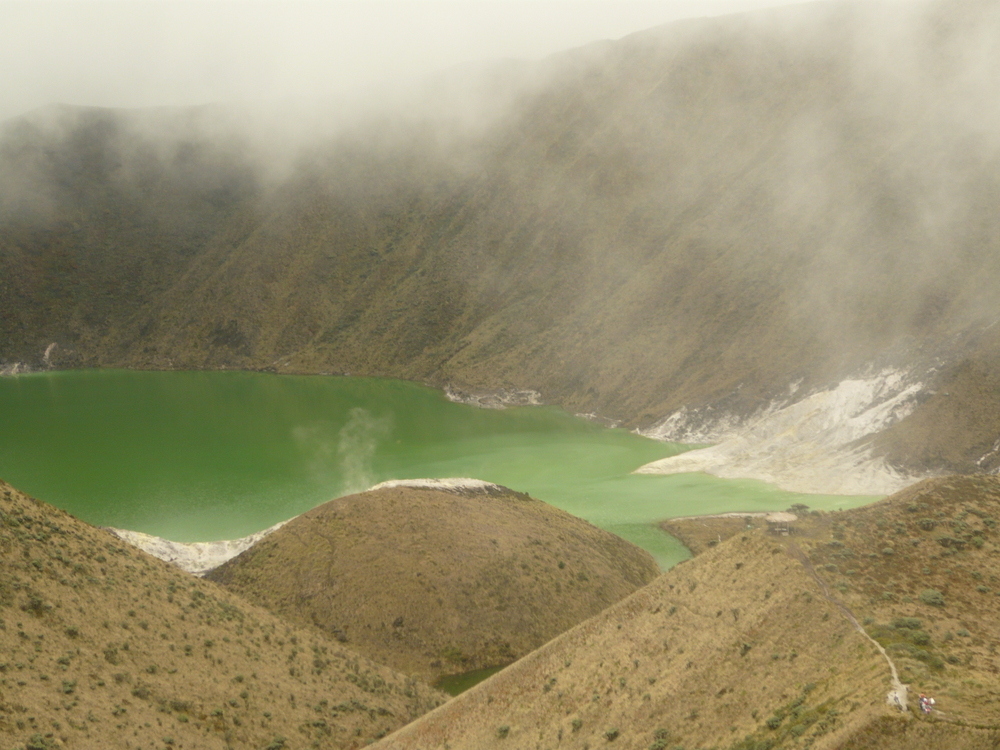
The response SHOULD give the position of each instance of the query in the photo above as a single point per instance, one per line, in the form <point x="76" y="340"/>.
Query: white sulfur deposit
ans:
<point x="807" y="446"/>
<point x="499" y="399"/>
<point x="448" y="484"/>
<point x="200" y="557"/>
<point x="194" y="557"/>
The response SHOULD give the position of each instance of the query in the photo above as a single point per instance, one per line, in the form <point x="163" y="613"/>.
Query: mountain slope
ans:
<point x="757" y="643"/>
<point x="105" y="646"/>
<point x="99" y="212"/>
<point x="435" y="581"/>
<point x="703" y="214"/>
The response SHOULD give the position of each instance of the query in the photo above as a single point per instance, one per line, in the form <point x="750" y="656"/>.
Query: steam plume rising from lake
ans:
<point x="359" y="440"/>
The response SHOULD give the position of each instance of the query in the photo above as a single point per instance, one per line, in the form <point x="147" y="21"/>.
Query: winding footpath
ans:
<point x="898" y="695"/>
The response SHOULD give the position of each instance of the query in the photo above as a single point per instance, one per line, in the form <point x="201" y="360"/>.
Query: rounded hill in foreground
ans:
<point x="817" y="633"/>
<point x="104" y="646"/>
<point x="440" y="577"/>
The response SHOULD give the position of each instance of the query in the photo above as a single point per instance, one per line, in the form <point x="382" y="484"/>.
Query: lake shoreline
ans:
<point x="201" y="456"/>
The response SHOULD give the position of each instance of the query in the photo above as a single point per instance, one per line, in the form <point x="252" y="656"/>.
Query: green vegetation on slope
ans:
<point x="101" y="210"/>
<point x="923" y="570"/>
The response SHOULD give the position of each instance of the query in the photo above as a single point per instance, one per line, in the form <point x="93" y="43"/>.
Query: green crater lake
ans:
<point x="199" y="456"/>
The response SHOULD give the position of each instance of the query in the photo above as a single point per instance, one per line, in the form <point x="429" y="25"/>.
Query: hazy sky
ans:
<point x="149" y="52"/>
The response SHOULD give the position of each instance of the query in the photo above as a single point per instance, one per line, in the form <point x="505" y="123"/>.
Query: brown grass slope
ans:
<point x="434" y="582"/>
<point x="955" y="429"/>
<point x="100" y="210"/>
<point x="747" y="647"/>
<point x="937" y="535"/>
<point x="103" y="646"/>
<point x="887" y="560"/>
<point x="698" y="214"/>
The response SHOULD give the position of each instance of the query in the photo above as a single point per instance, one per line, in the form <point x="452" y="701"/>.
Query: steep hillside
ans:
<point x="104" y="646"/>
<point x="729" y="213"/>
<point x="100" y="210"/>
<point x="757" y="643"/>
<point x="930" y="553"/>
<point x="955" y="427"/>
<point x="437" y="581"/>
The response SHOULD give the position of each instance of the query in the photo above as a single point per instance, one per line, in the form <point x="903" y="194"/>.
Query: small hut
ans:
<point x="780" y="523"/>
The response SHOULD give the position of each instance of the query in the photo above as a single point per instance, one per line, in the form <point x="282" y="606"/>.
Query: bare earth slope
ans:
<point x="103" y="646"/>
<point x="751" y="644"/>
<point x="435" y="582"/>
<point x="703" y="214"/>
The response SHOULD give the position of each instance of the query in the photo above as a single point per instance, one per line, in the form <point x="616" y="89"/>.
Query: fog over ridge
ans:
<point x="127" y="53"/>
<point x="695" y="215"/>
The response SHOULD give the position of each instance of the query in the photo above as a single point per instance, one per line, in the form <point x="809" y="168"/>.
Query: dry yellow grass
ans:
<point x="887" y="560"/>
<point x="103" y="646"/>
<point x="435" y="582"/>
<point x="748" y="647"/>
<point x="701" y="534"/>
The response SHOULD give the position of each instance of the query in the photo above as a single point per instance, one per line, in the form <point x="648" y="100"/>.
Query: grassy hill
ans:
<point x="700" y="214"/>
<point x="751" y="644"/>
<point x="929" y="552"/>
<point x="100" y="211"/>
<point x="104" y="646"/>
<point x="435" y="582"/>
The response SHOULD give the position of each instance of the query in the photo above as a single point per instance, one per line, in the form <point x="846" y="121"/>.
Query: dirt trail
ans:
<point x="898" y="695"/>
<point x="731" y="514"/>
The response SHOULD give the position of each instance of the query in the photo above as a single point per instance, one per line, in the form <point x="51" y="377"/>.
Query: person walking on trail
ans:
<point x="926" y="703"/>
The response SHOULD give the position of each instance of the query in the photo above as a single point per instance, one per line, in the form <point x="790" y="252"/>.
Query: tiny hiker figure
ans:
<point x="926" y="703"/>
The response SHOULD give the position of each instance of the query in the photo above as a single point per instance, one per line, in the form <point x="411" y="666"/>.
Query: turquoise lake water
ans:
<point x="198" y="456"/>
